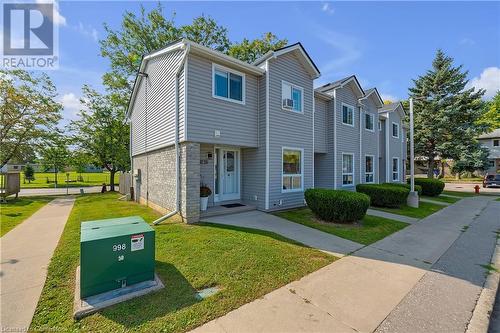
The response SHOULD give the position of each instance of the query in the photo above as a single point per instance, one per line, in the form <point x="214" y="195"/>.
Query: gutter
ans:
<point x="177" y="150"/>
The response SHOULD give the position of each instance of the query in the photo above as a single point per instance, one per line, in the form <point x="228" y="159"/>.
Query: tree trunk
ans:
<point x="430" y="167"/>
<point x="443" y="165"/>
<point x="112" y="180"/>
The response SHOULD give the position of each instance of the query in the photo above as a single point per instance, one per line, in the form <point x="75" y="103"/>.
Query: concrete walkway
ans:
<point x="30" y="192"/>
<point x="359" y="291"/>
<point x="305" y="235"/>
<point x="392" y="216"/>
<point x="441" y="203"/>
<point x="26" y="253"/>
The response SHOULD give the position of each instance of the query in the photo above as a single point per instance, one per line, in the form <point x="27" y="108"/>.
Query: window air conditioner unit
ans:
<point x="288" y="103"/>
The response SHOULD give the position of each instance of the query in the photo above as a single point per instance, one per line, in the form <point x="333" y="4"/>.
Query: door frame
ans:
<point x="217" y="197"/>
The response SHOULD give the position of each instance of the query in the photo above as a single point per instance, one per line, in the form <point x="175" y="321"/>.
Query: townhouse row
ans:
<point x="257" y="134"/>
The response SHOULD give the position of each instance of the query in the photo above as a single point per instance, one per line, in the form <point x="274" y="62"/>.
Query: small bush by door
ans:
<point x="337" y="206"/>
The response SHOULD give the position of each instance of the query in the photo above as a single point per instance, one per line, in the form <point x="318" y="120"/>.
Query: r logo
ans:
<point x="28" y="29"/>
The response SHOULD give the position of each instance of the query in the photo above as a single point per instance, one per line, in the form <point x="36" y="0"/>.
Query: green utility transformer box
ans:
<point x="115" y="253"/>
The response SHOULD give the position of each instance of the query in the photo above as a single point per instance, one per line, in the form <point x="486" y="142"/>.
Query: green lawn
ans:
<point x="443" y="199"/>
<point x="89" y="179"/>
<point x="424" y="209"/>
<point x="246" y="264"/>
<point x="371" y="229"/>
<point x="497" y="199"/>
<point x="17" y="210"/>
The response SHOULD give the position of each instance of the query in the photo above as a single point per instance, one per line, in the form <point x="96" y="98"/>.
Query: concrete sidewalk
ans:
<point x="391" y="216"/>
<point x="25" y="256"/>
<point x="357" y="292"/>
<point x="298" y="232"/>
<point x="30" y="192"/>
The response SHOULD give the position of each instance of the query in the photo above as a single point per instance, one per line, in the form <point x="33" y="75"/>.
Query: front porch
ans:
<point x="226" y="208"/>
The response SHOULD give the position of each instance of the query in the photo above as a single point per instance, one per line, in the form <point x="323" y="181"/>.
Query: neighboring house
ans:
<point x="492" y="142"/>
<point x="256" y="133"/>
<point x="8" y="168"/>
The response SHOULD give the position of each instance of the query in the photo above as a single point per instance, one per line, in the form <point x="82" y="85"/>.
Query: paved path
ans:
<point x="29" y="192"/>
<point x="26" y="253"/>
<point x="441" y="203"/>
<point x="305" y="235"/>
<point x="444" y="299"/>
<point x="358" y="292"/>
<point x="392" y="216"/>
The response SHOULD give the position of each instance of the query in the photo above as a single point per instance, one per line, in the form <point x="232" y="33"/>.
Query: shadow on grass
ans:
<point x="252" y="231"/>
<point x="177" y="294"/>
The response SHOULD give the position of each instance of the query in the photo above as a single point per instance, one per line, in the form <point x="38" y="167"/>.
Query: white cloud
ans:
<point x="344" y="50"/>
<point x="88" y="31"/>
<point x="388" y="97"/>
<point x="71" y="104"/>
<point x="467" y="41"/>
<point x="327" y="8"/>
<point x="489" y="80"/>
<point x="58" y="18"/>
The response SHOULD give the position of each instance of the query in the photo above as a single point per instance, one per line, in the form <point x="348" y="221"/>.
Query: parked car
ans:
<point x="491" y="180"/>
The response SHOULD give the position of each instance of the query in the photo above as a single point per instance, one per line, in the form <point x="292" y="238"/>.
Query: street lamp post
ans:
<point x="412" y="200"/>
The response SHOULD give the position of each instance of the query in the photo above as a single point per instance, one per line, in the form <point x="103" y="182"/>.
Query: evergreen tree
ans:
<point x="29" y="173"/>
<point x="446" y="113"/>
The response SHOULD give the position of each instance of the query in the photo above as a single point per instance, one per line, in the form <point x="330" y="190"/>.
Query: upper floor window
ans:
<point x="228" y="84"/>
<point x="347" y="115"/>
<point x="395" y="130"/>
<point x="292" y="171"/>
<point x="369" y="121"/>
<point x="291" y="97"/>
<point x="496" y="143"/>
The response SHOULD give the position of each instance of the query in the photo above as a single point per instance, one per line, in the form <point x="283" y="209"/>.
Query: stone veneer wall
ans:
<point x="156" y="187"/>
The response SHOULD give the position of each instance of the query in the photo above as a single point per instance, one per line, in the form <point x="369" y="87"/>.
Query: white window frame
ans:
<point x="301" y="189"/>
<point x="349" y="173"/>
<point x="283" y="83"/>
<point x="373" y="168"/>
<point x="392" y="169"/>
<point x="392" y="130"/>
<point x="229" y="70"/>
<point x="342" y="114"/>
<point x="372" y="116"/>
<point x="498" y="142"/>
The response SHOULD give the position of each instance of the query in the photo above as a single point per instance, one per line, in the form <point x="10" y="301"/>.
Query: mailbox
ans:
<point x="115" y="253"/>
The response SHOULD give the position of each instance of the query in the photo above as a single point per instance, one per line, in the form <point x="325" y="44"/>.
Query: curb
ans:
<point x="480" y="319"/>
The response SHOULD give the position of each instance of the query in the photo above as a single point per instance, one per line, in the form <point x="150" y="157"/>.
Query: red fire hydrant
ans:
<point x="476" y="189"/>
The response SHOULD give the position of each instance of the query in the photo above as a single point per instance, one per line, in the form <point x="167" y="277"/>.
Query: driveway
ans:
<point x="425" y="278"/>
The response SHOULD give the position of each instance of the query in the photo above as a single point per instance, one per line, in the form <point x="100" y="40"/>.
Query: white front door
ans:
<point x="227" y="174"/>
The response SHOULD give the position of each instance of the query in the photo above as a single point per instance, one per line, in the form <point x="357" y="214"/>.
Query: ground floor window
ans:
<point x="369" y="175"/>
<point x="347" y="169"/>
<point x="395" y="169"/>
<point x="292" y="179"/>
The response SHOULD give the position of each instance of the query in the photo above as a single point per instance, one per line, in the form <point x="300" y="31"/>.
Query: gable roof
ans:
<point x="374" y="90"/>
<point x="342" y="82"/>
<point x="491" y="135"/>
<point x="297" y="47"/>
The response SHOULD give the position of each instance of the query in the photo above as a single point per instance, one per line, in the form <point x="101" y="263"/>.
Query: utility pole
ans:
<point x="412" y="200"/>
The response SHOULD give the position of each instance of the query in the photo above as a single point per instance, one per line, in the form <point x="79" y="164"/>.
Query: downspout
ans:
<point x="387" y="152"/>
<point x="361" y="105"/>
<point x="335" y="139"/>
<point x="177" y="150"/>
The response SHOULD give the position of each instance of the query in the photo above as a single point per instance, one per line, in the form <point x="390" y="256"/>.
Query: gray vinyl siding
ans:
<point x="396" y="145"/>
<point x="323" y="162"/>
<point x="237" y="123"/>
<point x="369" y="139"/>
<point x="320" y="126"/>
<point x="253" y="160"/>
<point x="347" y="136"/>
<point x="288" y="128"/>
<point x="155" y="128"/>
<point x="382" y="152"/>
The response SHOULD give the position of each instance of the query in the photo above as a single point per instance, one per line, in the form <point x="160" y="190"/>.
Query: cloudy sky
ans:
<point x="386" y="44"/>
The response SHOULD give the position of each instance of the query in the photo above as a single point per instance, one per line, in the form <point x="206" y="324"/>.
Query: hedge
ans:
<point x="336" y="205"/>
<point x="383" y="195"/>
<point x="430" y="187"/>
<point x="418" y="188"/>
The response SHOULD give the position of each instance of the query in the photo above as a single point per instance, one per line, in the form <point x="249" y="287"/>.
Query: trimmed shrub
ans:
<point x="383" y="195"/>
<point x="430" y="187"/>
<point x="336" y="205"/>
<point x="418" y="188"/>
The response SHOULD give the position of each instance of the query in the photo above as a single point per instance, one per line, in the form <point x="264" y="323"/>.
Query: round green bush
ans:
<point x="430" y="187"/>
<point x="336" y="205"/>
<point x="418" y="188"/>
<point x="383" y="195"/>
